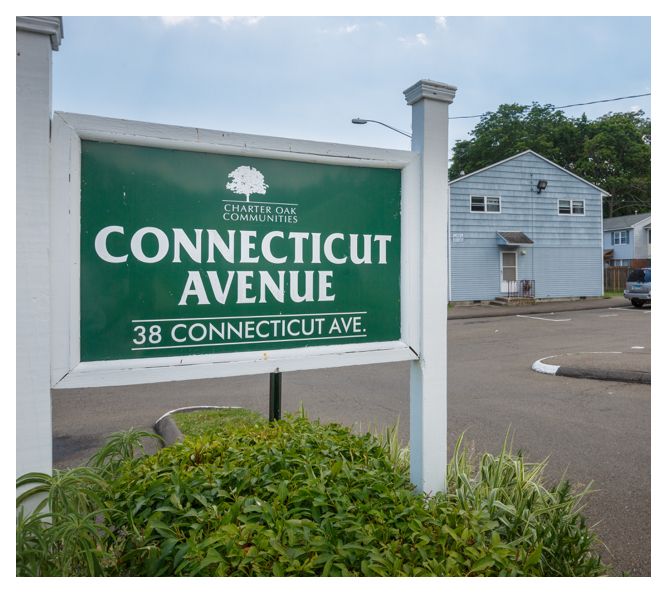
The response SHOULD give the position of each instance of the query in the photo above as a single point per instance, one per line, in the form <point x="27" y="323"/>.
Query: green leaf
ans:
<point x="482" y="564"/>
<point x="212" y="557"/>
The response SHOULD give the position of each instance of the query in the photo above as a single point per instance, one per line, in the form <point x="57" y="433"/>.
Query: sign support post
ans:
<point x="430" y="102"/>
<point x="275" y="395"/>
<point x="36" y="38"/>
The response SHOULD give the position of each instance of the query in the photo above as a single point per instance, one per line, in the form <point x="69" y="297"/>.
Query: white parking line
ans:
<point x="629" y="308"/>
<point x="543" y="318"/>
<point x="610" y="315"/>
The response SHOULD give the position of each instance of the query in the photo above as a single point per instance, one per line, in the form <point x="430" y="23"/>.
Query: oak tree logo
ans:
<point x="246" y="181"/>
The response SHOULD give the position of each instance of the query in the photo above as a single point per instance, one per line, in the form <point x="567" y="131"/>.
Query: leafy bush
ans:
<point x="211" y="422"/>
<point x="298" y="498"/>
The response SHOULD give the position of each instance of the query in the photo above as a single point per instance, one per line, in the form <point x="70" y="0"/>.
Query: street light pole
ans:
<point x="358" y="120"/>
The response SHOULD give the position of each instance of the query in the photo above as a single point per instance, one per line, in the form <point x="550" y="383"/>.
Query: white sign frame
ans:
<point x="67" y="370"/>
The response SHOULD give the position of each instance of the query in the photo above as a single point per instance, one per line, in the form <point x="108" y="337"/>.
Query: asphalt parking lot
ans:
<point x="593" y="430"/>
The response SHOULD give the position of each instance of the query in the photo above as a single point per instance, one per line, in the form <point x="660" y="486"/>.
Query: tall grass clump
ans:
<point x="300" y="498"/>
<point x="71" y="529"/>
<point x="544" y="522"/>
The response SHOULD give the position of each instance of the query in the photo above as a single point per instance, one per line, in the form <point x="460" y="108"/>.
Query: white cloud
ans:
<point x="344" y="30"/>
<point x="418" y="39"/>
<point x="172" y="21"/>
<point x="441" y="22"/>
<point x="225" y="21"/>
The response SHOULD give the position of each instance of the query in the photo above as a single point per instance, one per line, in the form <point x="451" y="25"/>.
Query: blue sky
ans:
<point x="306" y="77"/>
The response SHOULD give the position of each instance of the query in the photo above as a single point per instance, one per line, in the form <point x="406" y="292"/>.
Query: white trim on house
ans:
<point x="504" y="284"/>
<point x="603" y="192"/>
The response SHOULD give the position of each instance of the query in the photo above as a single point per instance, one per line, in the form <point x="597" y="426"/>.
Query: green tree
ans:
<point x="616" y="155"/>
<point x="613" y="151"/>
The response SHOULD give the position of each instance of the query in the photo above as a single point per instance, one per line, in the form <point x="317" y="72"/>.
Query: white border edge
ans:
<point x="137" y="372"/>
<point x="67" y="371"/>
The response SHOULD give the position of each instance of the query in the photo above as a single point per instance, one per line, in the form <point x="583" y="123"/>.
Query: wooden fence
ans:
<point x="615" y="277"/>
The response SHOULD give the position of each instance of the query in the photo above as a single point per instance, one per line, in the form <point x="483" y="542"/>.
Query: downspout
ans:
<point x="532" y="232"/>
<point x="602" y="243"/>
<point x="449" y="246"/>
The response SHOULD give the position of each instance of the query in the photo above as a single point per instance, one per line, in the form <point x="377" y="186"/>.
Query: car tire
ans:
<point x="637" y="303"/>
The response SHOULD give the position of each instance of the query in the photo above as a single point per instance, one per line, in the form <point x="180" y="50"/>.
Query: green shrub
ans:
<point x="298" y="498"/>
<point x="211" y="422"/>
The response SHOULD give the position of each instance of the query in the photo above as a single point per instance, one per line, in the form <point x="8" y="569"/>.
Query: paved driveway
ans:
<point x="593" y="430"/>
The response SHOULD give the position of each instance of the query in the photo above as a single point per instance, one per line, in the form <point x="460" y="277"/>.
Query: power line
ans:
<point x="564" y="106"/>
<point x="603" y="101"/>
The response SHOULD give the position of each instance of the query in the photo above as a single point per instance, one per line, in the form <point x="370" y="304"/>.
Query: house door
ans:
<point x="508" y="271"/>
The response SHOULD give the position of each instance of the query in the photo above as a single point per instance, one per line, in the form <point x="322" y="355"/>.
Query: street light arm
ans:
<point x="358" y="120"/>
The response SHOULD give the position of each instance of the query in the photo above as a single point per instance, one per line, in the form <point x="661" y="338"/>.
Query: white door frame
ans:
<point x="504" y="287"/>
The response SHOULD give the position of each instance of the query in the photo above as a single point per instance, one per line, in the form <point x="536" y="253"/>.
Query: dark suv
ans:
<point x="638" y="287"/>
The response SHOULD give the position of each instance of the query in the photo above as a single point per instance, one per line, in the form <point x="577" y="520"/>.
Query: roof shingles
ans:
<point x="624" y="222"/>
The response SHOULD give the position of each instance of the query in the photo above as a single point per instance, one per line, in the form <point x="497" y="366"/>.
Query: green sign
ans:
<point x="186" y="253"/>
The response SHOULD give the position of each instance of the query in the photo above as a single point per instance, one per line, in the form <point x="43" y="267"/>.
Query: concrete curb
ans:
<point x="547" y="369"/>
<point x="590" y="373"/>
<point x="477" y="311"/>
<point x="167" y="429"/>
<point x="605" y="375"/>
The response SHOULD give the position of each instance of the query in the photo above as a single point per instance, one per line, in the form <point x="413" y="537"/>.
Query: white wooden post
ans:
<point x="36" y="38"/>
<point x="430" y="102"/>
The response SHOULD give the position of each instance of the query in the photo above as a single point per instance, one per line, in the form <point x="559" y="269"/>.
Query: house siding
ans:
<point x="625" y="251"/>
<point x="641" y="242"/>
<point x="638" y="247"/>
<point x="566" y="257"/>
<point x="568" y="272"/>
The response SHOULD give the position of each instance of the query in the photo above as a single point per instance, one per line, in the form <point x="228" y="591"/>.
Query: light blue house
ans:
<point x="627" y="239"/>
<point x="525" y="227"/>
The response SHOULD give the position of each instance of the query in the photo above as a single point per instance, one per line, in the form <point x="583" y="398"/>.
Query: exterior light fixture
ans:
<point x="359" y="120"/>
<point x="541" y="185"/>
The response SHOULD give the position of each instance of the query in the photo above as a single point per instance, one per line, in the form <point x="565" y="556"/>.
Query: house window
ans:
<point x="621" y="237"/>
<point x="571" y="207"/>
<point x="484" y="204"/>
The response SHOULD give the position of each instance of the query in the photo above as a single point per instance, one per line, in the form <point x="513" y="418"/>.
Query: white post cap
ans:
<point x="430" y="89"/>
<point x="46" y="25"/>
